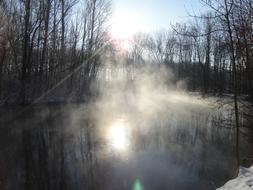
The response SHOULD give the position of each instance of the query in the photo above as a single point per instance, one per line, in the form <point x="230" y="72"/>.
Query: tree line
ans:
<point x="207" y="51"/>
<point x="50" y="44"/>
<point x="55" y="48"/>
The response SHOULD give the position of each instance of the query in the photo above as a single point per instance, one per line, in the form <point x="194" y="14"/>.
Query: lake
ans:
<point x="183" y="142"/>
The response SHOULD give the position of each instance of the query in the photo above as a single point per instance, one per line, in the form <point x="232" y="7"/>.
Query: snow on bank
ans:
<point x="244" y="181"/>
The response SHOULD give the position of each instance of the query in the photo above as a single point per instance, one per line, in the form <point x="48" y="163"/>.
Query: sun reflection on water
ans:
<point x="118" y="135"/>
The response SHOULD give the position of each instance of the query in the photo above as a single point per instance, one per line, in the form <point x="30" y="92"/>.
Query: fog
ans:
<point x="143" y="128"/>
<point x="147" y="127"/>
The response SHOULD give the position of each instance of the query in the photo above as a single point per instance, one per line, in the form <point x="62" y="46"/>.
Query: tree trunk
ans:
<point x="235" y="85"/>
<point x="26" y="41"/>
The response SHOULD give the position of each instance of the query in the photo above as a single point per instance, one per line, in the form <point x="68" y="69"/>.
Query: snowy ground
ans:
<point x="244" y="181"/>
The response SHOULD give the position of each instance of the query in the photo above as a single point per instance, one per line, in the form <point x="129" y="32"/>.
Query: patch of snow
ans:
<point x="244" y="181"/>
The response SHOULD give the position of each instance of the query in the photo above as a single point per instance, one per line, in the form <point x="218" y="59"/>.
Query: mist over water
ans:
<point x="94" y="96"/>
<point x="142" y="132"/>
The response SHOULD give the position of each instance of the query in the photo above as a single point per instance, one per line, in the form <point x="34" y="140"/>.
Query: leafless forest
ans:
<point x="55" y="49"/>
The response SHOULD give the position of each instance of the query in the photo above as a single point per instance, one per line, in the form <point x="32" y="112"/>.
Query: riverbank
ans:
<point x="244" y="181"/>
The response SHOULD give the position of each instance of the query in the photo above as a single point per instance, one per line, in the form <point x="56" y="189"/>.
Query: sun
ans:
<point x="124" y="25"/>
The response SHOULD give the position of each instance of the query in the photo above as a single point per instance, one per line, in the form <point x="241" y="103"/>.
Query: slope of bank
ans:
<point x="244" y="181"/>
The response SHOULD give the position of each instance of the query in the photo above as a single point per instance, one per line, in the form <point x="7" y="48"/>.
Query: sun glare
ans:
<point x="118" y="136"/>
<point x="124" y="25"/>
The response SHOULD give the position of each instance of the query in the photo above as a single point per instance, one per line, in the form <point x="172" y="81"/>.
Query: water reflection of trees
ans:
<point x="55" y="153"/>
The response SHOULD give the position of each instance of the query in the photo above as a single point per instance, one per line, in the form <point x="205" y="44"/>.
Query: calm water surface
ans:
<point x="75" y="147"/>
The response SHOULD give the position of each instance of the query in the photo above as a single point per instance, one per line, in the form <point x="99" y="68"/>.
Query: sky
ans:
<point x="153" y="15"/>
